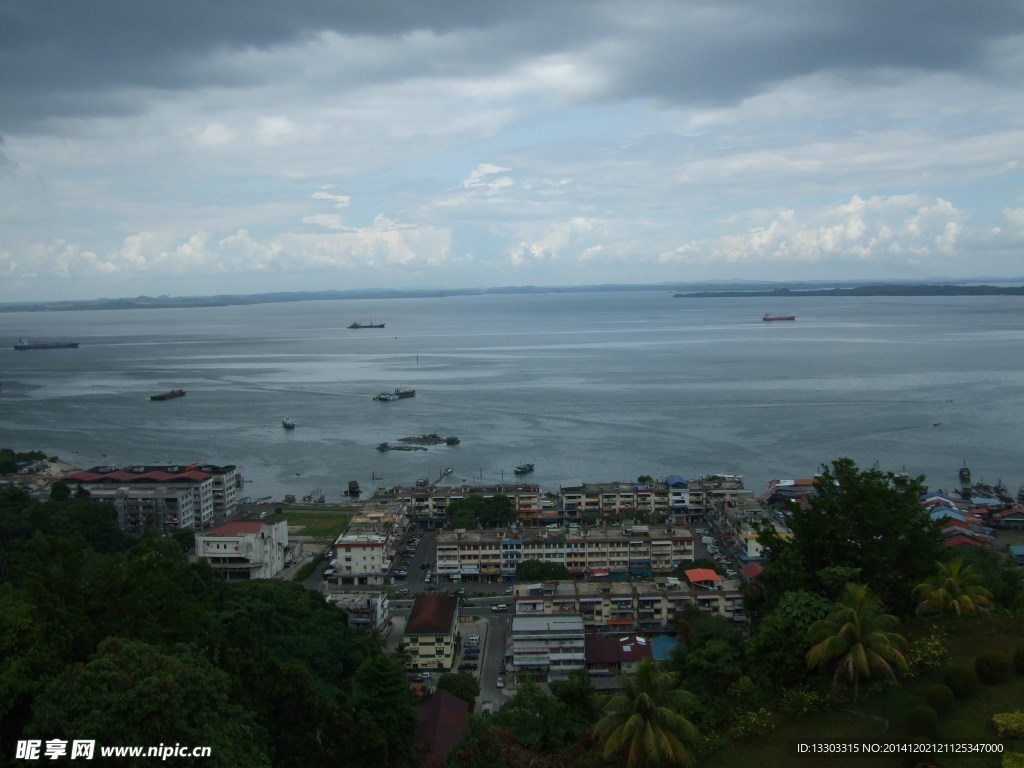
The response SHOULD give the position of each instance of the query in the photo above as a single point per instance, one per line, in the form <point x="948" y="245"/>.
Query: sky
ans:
<point x="195" y="148"/>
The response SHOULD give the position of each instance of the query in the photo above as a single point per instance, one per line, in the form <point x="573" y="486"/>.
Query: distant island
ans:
<point x="708" y="289"/>
<point x="865" y="290"/>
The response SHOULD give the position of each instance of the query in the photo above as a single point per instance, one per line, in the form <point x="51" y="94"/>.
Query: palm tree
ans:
<point x="644" y="720"/>
<point x="859" y="637"/>
<point x="955" y="588"/>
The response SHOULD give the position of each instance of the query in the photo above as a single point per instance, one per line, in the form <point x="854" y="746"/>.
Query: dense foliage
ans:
<point x="480" y="512"/>
<point x="109" y="637"/>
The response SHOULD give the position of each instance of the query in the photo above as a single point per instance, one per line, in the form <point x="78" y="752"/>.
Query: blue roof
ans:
<point x="661" y="647"/>
<point x="675" y="480"/>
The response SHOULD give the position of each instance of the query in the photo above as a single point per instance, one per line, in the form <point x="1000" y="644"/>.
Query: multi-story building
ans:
<point x="245" y="549"/>
<point x="164" y="497"/>
<point x="364" y="553"/>
<point x="426" y="506"/>
<point x="430" y="632"/>
<point x="649" y="605"/>
<point x="547" y="648"/>
<point x="673" y="499"/>
<point x="368" y="610"/>
<point x="612" y="552"/>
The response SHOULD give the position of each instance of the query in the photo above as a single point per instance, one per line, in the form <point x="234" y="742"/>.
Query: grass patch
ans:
<point x="325" y="525"/>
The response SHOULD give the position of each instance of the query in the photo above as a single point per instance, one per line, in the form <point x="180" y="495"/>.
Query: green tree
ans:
<point x="645" y="721"/>
<point x="777" y="649"/>
<point x="540" y="570"/>
<point x="537" y="718"/>
<point x="477" y="511"/>
<point x="868" y="520"/>
<point x="955" y="589"/>
<point x="382" y="704"/>
<point x="859" y="638"/>
<point x="464" y="685"/>
<point x="133" y="693"/>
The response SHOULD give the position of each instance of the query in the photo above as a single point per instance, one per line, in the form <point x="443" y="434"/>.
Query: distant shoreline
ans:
<point x="865" y="290"/>
<point x="736" y="289"/>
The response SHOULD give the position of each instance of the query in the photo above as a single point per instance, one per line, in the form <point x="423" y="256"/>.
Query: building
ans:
<point x="598" y="552"/>
<point x="367" y="610"/>
<point x="633" y="606"/>
<point x="164" y="497"/>
<point x="363" y="555"/>
<point x="444" y="720"/>
<point x="244" y="550"/>
<point x="426" y="506"/>
<point x="547" y="648"/>
<point x="430" y="632"/>
<point x="608" y="656"/>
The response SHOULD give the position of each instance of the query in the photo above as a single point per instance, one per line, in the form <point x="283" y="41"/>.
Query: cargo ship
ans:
<point x="168" y="395"/>
<point x="398" y="394"/>
<point x="23" y="345"/>
<point x="370" y="324"/>
<point x="769" y="317"/>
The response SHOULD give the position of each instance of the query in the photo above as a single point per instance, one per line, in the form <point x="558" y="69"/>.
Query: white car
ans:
<point x="473" y="640"/>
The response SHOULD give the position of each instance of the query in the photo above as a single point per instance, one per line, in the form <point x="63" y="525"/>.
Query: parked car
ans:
<point x="509" y="590"/>
<point x="499" y="608"/>
<point x="501" y="682"/>
<point x="473" y="640"/>
<point x="467" y="667"/>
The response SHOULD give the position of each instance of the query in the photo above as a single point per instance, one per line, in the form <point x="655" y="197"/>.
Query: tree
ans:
<point x="868" y="520"/>
<point x="464" y="685"/>
<point x="133" y="693"/>
<point x="955" y="589"/>
<point x="778" y="647"/>
<point x="644" y="721"/>
<point x="540" y="570"/>
<point x="859" y="637"/>
<point x="477" y="511"/>
<point x="382" y="704"/>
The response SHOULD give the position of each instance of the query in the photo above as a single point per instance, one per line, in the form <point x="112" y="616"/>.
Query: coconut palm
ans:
<point x="859" y="637"/>
<point x="644" y="721"/>
<point x="955" y="589"/>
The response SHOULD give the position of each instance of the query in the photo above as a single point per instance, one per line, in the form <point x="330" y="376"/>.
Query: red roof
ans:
<point x="752" y="571"/>
<point x="605" y="649"/>
<point x="956" y="540"/>
<point x="444" y="718"/>
<point x="236" y="528"/>
<point x="432" y="615"/>
<point x="702" y="574"/>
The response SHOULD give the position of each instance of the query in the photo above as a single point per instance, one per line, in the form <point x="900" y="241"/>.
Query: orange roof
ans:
<point x="702" y="574"/>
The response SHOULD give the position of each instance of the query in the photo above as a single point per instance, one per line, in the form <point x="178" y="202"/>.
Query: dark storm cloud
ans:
<point x="84" y="58"/>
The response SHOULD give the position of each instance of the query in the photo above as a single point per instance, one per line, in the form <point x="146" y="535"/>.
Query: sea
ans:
<point x="592" y="387"/>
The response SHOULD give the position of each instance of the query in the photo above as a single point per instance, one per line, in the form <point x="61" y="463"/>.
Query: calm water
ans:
<point x="586" y="386"/>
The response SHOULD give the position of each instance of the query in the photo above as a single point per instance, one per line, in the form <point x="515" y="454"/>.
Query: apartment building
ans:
<point x="166" y="497"/>
<point x="645" y="606"/>
<point x="430" y="632"/>
<point x="547" y="648"/>
<point x="596" y="552"/>
<point x="364" y="553"/>
<point x="245" y="549"/>
<point x="425" y="506"/>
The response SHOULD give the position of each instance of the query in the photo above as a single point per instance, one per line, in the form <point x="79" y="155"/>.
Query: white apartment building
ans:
<point x="245" y="549"/>
<point x="368" y="610"/>
<point x="547" y="648"/>
<point x="364" y="553"/>
<point x="164" y="496"/>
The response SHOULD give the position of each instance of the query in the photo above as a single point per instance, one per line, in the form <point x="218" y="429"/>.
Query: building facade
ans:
<point x="164" y="497"/>
<point x="598" y="552"/>
<point x="363" y="555"/>
<point x="244" y="550"/>
<point x="547" y="648"/>
<point x="430" y="633"/>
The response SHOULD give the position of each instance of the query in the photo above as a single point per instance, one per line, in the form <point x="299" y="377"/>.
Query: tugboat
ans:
<point x="353" y="488"/>
<point x="523" y="469"/>
<point x="288" y="424"/>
